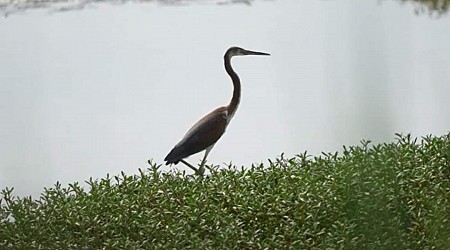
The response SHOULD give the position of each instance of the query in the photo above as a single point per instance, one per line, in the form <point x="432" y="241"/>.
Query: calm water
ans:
<point x="101" y="90"/>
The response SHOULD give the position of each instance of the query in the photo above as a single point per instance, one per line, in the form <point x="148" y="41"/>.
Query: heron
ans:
<point x="204" y="134"/>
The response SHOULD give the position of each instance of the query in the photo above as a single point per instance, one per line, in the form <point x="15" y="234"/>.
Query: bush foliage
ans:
<point x="386" y="196"/>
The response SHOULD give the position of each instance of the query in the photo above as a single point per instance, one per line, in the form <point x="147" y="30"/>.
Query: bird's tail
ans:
<point x="174" y="156"/>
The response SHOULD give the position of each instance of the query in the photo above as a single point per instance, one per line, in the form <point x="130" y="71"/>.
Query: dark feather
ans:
<point x="203" y="134"/>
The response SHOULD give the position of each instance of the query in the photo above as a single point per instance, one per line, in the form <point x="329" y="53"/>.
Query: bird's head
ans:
<point x="236" y="51"/>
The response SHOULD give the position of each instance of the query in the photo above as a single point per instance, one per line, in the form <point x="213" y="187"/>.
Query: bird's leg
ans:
<point x="201" y="168"/>
<point x="189" y="165"/>
<point x="202" y="164"/>
<point x="198" y="172"/>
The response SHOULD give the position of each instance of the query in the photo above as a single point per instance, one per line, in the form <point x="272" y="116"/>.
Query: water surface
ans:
<point x="103" y="89"/>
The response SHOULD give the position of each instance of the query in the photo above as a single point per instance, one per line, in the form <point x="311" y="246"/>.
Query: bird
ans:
<point x="204" y="134"/>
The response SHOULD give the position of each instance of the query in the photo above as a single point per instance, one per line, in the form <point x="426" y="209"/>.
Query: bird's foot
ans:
<point x="200" y="172"/>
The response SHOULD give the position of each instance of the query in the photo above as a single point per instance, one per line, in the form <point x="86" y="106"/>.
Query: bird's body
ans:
<point x="208" y="130"/>
<point x="205" y="133"/>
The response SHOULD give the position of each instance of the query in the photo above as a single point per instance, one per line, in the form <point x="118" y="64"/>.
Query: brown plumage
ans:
<point x="203" y="134"/>
<point x="208" y="130"/>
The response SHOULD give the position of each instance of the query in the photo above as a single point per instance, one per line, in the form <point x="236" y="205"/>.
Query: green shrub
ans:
<point x="387" y="196"/>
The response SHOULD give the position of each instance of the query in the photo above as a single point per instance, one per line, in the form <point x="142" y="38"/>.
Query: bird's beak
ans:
<point x="249" y="52"/>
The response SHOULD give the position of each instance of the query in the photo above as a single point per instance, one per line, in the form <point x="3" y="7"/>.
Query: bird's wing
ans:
<point x="203" y="134"/>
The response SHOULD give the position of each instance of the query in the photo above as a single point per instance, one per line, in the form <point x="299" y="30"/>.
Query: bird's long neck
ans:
<point x="234" y="103"/>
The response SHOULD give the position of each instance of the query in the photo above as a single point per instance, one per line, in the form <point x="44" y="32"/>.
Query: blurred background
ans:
<point x="89" y="88"/>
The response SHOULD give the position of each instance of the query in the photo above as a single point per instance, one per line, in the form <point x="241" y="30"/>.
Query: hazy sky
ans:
<point x="101" y="90"/>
